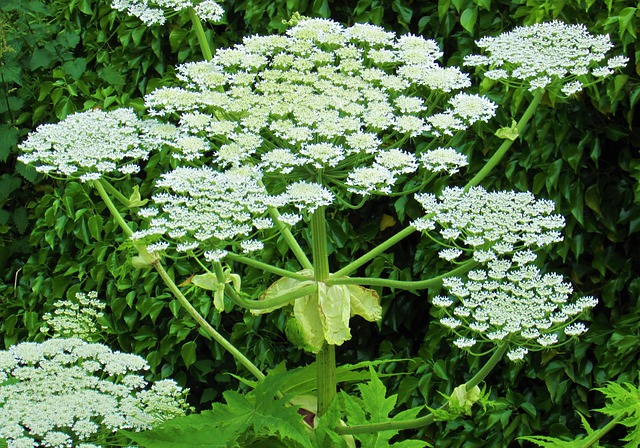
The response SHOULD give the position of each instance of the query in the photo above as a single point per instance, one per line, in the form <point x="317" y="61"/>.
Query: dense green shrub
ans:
<point x="61" y="57"/>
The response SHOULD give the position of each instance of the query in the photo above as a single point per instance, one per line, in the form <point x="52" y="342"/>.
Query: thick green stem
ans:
<point x="379" y="249"/>
<point x="326" y="358"/>
<point x="202" y="37"/>
<point x="326" y="365"/>
<point x="114" y="192"/>
<point x="266" y="267"/>
<point x="427" y="419"/>
<point x="291" y="241"/>
<point x="206" y="327"/>
<point x="506" y="144"/>
<point x="401" y="284"/>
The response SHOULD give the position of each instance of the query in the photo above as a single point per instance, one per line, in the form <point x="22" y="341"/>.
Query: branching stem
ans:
<point x="506" y="144"/>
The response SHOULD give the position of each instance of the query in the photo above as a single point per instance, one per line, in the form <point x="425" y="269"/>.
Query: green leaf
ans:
<point x="378" y="407"/>
<point x="486" y="4"/>
<point x="443" y="8"/>
<point x="192" y="431"/>
<point x="68" y="39"/>
<point x="75" y="68"/>
<point x="188" y="353"/>
<point x="8" y="140"/>
<point x="8" y="184"/>
<point x="468" y="19"/>
<point x="112" y="76"/>
<point x="41" y="58"/>
<point x="135" y="200"/>
<point x="20" y="219"/>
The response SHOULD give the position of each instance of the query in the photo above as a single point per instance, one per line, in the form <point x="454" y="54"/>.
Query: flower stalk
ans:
<point x="202" y="37"/>
<point x="506" y="144"/>
<point x="200" y="320"/>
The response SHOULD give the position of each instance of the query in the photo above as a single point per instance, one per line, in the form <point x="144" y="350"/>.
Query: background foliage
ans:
<point x="58" y="57"/>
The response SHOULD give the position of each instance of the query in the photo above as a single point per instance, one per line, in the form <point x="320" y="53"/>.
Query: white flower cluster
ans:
<point x="152" y="12"/>
<point x="67" y="392"/>
<point x="88" y="145"/>
<point x="209" y="209"/>
<point x="511" y="303"/>
<point x="490" y="225"/>
<point x="75" y="318"/>
<point x="321" y="98"/>
<point x="543" y="53"/>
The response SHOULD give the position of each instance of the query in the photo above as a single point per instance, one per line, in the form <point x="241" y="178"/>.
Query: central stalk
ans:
<point x="326" y="358"/>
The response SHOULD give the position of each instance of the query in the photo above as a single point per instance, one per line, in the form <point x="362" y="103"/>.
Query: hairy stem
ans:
<point x="506" y="144"/>
<point x="379" y="249"/>
<point x="206" y="327"/>
<point x="291" y="241"/>
<point x="266" y="267"/>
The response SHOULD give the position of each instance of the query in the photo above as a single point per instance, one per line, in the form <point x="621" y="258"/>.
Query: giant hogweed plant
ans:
<point x="270" y="136"/>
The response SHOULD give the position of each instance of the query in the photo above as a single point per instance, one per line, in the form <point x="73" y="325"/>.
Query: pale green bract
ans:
<point x="323" y="317"/>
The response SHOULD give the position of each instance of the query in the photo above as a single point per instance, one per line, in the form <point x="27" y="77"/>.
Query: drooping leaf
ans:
<point x="365" y="302"/>
<point x="306" y="312"/>
<point x="335" y="310"/>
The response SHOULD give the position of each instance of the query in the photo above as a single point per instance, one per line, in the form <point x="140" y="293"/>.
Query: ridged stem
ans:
<point x="326" y="358"/>
<point x="202" y="37"/>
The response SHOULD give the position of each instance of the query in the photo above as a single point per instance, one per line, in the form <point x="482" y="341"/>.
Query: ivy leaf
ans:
<point x="378" y="407"/>
<point x="75" y="68"/>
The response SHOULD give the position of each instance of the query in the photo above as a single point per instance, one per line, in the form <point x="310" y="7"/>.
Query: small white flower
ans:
<point x="308" y="196"/>
<point x="449" y="254"/>
<point x="517" y="354"/>
<point x="450" y="322"/>
<point x="464" y="343"/>
<point x="575" y="329"/>
<point x="251" y="246"/>
<point x="215" y="255"/>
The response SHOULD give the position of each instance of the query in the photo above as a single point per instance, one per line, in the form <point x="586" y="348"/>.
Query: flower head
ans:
<point x="62" y="392"/>
<point x="76" y="317"/>
<point x="491" y="224"/>
<point x="515" y="304"/>
<point x="152" y="12"/>
<point x="545" y="53"/>
<point x="322" y="97"/>
<point x="91" y="144"/>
